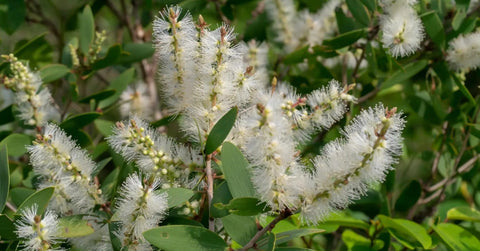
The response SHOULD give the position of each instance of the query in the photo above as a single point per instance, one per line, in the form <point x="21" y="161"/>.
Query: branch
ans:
<point x="283" y="215"/>
<point x="209" y="176"/>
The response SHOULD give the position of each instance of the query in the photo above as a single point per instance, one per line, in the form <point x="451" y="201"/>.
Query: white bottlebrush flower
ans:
<point x="257" y="57"/>
<point x="285" y="20"/>
<point x="139" y="209"/>
<point x="320" y="25"/>
<point x="328" y="104"/>
<point x="35" y="105"/>
<point x="136" y="100"/>
<point x="347" y="166"/>
<point x="62" y="164"/>
<point x="35" y="231"/>
<point x="402" y="29"/>
<point x="175" y="42"/>
<point x="154" y="154"/>
<point x="463" y="53"/>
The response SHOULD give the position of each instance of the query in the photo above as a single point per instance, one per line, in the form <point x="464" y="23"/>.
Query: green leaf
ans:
<point x="464" y="89"/>
<point x="405" y="73"/>
<point x="434" y="28"/>
<point x="293" y="249"/>
<point x="178" y="237"/>
<point x="12" y="15"/>
<point x="460" y="15"/>
<point x="235" y="171"/>
<point x="74" y="226"/>
<point x="177" y="196"/>
<point x="4" y="177"/>
<point x="290" y="235"/>
<point x="345" y="24"/>
<point x="78" y="121"/>
<point x="86" y="28"/>
<point x="246" y="206"/>
<point x="119" y="84"/>
<point x="370" y="4"/>
<point x="456" y="237"/>
<point x="165" y="120"/>
<point x="409" y="196"/>
<point x="19" y="194"/>
<point x="7" y="229"/>
<point x="222" y="195"/>
<point x="465" y="213"/>
<point x="359" y="12"/>
<point x="409" y="233"/>
<point x="100" y="165"/>
<point x="135" y="52"/>
<point x="297" y="56"/>
<point x="53" y="72"/>
<point x="358" y="242"/>
<point x="344" y="39"/>
<point x="32" y="45"/>
<point x="240" y="228"/>
<point x="113" y="228"/>
<point x="16" y="144"/>
<point x="220" y="130"/>
<point x="41" y="198"/>
<point x="272" y="241"/>
<point x="101" y="95"/>
<point x="6" y="115"/>
<point x="109" y="59"/>
<point x="105" y="127"/>
<point x="345" y="220"/>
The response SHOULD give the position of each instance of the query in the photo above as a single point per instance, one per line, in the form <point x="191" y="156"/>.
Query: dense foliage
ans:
<point x="227" y="124"/>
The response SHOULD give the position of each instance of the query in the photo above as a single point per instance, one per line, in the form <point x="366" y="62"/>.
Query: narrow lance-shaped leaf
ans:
<point x="41" y="198"/>
<point x="235" y="171"/>
<point x="220" y="130"/>
<point x="182" y="237"/>
<point x="86" y="29"/>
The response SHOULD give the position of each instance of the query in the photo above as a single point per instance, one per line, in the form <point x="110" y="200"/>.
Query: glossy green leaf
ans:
<point x="98" y="96"/>
<point x="16" y="144"/>
<point x="465" y="213"/>
<point x="290" y="235"/>
<point x="240" y="228"/>
<point x="86" y="29"/>
<point x="6" y="115"/>
<point x="135" y="52"/>
<point x="405" y="73"/>
<point x="220" y="130"/>
<point x="4" y="177"/>
<point x="105" y="127"/>
<point x="464" y="90"/>
<point x="434" y="28"/>
<point x="177" y="196"/>
<point x="342" y="219"/>
<point x="344" y="39"/>
<point x="74" y="226"/>
<point x="165" y="120"/>
<point x="345" y="24"/>
<point x="359" y="242"/>
<point x="53" y="72"/>
<point x="12" y="15"/>
<point x="409" y="233"/>
<point x="359" y="11"/>
<point x="41" y="198"/>
<point x="245" y="206"/>
<point x="180" y="237"/>
<point x="78" y="121"/>
<point x="7" y="229"/>
<point x="409" y="196"/>
<point x="456" y="237"/>
<point x="108" y="59"/>
<point x="19" y="194"/>
<point x="235" y="171"/>
<point x="119" y="84"/>
<point x="297" y="56"/>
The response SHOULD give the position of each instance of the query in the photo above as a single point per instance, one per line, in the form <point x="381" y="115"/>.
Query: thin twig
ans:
<point x="209" y="176"/>
<point x="11" y="207"/>
<point x="283" y="215"/>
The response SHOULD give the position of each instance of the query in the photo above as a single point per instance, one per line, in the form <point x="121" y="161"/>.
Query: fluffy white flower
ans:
<point x="320" y="25"/>
<point x="284" y="20"/>
<point x="402" y="29"/>
<point x="139" y="209"/>
<point x="37" y="232"/>
<point x="67" y="167"/>
<point x="463" y="53"/>
<point x="347" y="166"/>
<point x="136" y="100"/>
<point x="154" y="154"/>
